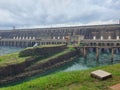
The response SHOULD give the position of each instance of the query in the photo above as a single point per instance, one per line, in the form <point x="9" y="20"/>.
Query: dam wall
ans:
<point x="57" y="35"/>
<point x="50" y="33"/>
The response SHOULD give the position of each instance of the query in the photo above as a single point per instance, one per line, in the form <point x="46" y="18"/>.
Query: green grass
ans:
<point x="52" y="45"/>
<point x="14" y="57"/>
<point x="58" y="54"/>
<point x="11" y="59"/>
<point x="53" y="56"/>
<point x="75" y="80"/>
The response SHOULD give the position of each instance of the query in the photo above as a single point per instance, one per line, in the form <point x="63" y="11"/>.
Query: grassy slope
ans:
<point x="11" y="59"/>
<point x="14" y="57"/>
<point x="52" y="57"/>
<point x="75" y="80"/>
<point x="58" y="54"/>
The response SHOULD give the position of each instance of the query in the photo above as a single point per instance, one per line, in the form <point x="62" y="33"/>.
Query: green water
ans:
<point x="7" y="50"/>
<point x="80" y="63"/>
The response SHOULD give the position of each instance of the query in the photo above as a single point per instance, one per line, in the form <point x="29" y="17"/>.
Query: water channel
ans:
<point x="79" y="63"/>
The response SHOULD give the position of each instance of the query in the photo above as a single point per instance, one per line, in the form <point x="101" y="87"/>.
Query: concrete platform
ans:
<point x="115" y="87"/>
<point x="100" y="74"/>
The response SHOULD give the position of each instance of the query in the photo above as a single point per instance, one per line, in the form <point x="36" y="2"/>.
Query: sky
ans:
<point x="38" y="13"/>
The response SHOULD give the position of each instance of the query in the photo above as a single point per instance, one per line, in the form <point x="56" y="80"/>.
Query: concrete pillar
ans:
<point x="109" y="37"/>
<point x="26" y="38"/>
<point x="117" y="37"/>
<point x="53" y="37"/>
<point x="97" y="53"/>
<point x="94" y="37"/>
<point x="101" y="38"/>
<point x="30" y="38"/>
<point x="13" y="37"/>
<point x="58" y="37"/>
<point x="23" y="38"/>
<point x="17" y="37"/>
<point x="33" y="38"/>
<point x="84" y="52"/>
<point x="112" y="54"/>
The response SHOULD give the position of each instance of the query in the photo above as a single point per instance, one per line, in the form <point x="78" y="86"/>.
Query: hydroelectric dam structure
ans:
<point x="61" y="35"/>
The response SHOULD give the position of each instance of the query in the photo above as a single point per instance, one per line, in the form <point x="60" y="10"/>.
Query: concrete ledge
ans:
<point x="115" y="87"/>
<point x="100" y="74"/>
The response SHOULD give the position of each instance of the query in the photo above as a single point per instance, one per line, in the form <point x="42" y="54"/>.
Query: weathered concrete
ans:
<point x="112" y="31"/>
<point x="29" y="42"/>
<point x="100" y="74"/>
<point x="16" y="72"/>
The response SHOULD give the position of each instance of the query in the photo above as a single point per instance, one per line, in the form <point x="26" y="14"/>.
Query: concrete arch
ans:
<point x="108" y="44"/>
<point x="117" y="44"/>
<point x="95" y="44"/>
<point x="112" y="44"/>
<point x="99" y="44"/>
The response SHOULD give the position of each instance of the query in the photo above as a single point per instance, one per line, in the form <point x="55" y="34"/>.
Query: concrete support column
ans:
<point x="112" y="54"/>
<point x="94" y="37"/>
<point x="54" y="38"/>
<point x="84" y="52"/>
<point x="109" y="37"/>
<point x="101" y="38"/>
<point x="58" y="37"/>
<point x="97" y="53"/>
<point x="117" y="37"/>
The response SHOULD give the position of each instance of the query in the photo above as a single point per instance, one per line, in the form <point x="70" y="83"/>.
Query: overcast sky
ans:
<point x="35" y="13"/>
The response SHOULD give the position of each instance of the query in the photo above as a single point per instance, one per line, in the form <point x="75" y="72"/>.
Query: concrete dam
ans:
<point x="57" y="35"/>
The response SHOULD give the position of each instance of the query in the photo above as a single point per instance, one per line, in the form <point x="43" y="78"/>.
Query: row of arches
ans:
<point x="104" y="44"/>
<point x="29" y="43"/>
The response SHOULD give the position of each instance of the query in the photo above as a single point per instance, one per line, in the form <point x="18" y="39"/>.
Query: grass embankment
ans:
<point x="40" y="60"/>
<point x="57" y="55"/>
<point x="11" y="59"/>
<point x="75" y="80"/>
<point x="15" y="58"/>
<point x="51" y="57"/>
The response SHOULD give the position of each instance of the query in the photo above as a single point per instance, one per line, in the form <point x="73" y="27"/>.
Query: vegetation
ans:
<point x="17" y="57"/>
<point x="11" y="59"/>
<point x="31" y="65"/>
<point x="42" y="50"/>
<point x="75" y="80"/>
<point x="58" y="54"/>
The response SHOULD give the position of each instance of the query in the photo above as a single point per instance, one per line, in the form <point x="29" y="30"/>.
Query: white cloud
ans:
<point x="30" y="13"/>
